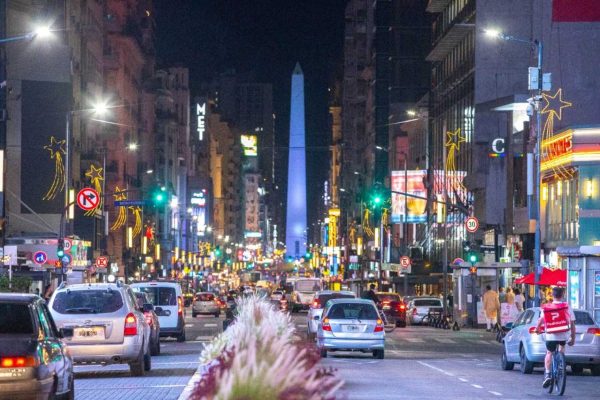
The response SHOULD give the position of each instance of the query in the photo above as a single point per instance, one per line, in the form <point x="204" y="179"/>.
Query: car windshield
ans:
<point x="160" y="296"/>
<point x="205" y="297"/>
<point x="388" y="297"/>
<point x="87" y="301"/>
<point x="324" y="298"/>
<point x="352" y="311"/>
<point x="312" y="285"/>
<point x="583" y="318"/>
<point x="15" y="318"/>
<point x="427" y="303"/>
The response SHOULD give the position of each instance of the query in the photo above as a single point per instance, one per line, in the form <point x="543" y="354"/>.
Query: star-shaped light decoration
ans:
<point x="55" y="147"/>
<point x="554" y="104"/>
<point x="119" y="194"/>
<point x="95" y="173"/>
<point x="454" y="138"/>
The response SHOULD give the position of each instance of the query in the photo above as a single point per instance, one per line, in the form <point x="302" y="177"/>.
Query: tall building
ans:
<point x="296" y="220"/>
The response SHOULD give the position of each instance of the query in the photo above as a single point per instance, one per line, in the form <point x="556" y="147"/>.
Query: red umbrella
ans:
<point x="527" y="279"/>
<point x="553" y="277"/>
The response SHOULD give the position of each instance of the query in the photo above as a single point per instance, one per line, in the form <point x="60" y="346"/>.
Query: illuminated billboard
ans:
<point x="250" y="145"/>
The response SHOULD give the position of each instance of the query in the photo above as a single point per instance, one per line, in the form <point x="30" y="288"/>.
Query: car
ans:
<point x="420" y="307"/>
<point x="523" y="346"/>
<point x="106" y="326"/>
<point x="27" y="334"/>
<point x="304" y="290"/>
<point x="205" y="303"/>
<point x="394" y="308"/>
<point x="152" y="319"/>
<point x="167" y="299"/>
<point x="350" y="325"/>
<point x="318" y="304"/>
<point x="277" y="295"/>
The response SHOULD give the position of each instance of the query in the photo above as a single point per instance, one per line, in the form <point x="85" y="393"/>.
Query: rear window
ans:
<point x="313" y="285"/>
<point x="428" y="303"/>
<point x="583" y="318"/>
<point x="352" y="311"/>
<point x="87" y="301"/>
<point x="15" y="319"/>
<point x="388" y="297"/>
<point x="324" y="298"/>
<point x="205" y="297"/>
<point x="159" y="296"/>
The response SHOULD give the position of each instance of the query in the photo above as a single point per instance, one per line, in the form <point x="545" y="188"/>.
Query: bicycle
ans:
<point x="558" y="372"/>
<point x="388" y="326"/>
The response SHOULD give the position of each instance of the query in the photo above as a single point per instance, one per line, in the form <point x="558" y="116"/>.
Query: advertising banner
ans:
<point x="250" y="145"/>
<point x="406" y="208"/>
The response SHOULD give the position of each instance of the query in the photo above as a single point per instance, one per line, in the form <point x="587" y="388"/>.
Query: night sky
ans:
<point x="266" y="37"/>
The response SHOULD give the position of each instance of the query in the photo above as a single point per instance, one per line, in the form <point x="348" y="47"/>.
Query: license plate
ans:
<point x="93" y="332"/>
<point x="350" y="328"/>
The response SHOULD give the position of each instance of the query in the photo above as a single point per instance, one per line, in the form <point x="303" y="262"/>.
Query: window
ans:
<point x="44" y="324"/>
<point x="352" y="311"/>
<point x="324" y="298"/>
<point x="87" y="301"/>
<point x="428" y="303"/>
<point x="160" y="296"/>
<point x="205" y="297"/>
<point x="15" y="319"/>
<point x="388" y="297"/>
<point x="583" y="318"/>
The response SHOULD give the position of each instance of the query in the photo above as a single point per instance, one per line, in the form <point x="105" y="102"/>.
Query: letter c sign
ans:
<point x="498" y="145"/>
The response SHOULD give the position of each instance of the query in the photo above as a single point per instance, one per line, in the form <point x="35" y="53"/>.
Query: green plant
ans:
<point x="20" y="284"/>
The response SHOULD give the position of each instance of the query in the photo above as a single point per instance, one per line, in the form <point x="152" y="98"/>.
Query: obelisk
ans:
<point x="295" y="232"/>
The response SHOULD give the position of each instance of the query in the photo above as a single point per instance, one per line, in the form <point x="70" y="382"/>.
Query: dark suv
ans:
<point x="34" y="362"/>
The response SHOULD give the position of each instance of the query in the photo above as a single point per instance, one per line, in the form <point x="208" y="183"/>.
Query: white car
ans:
<point x="318" y="304"/>
<point x="167" y="299"/>
<point x="304" y="293"/>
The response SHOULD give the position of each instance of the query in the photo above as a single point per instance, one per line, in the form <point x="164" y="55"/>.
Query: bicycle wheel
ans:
<point x="388" y="325"/>
<point x="560" y="373"/>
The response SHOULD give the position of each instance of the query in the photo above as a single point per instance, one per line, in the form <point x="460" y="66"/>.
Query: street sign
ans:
<point x="123" y="203"/>
<point x="102" y="262"/>
<point x="40" y="257"/>
<point x="472" y="224"/>
<point x="88" y="199"/>
<point x="67" y="244"/>
<point x="66" y="260"/>
<point x="405" y="261"/>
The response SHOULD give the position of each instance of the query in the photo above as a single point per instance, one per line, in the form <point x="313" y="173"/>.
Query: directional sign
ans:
<point x="66" y="260"/>
<point x="472" y="224"/>
<point x="102" y="262"/>
<point x="88" y="199"/>
<point x="123" y="203"/>
<point x="40" y="257"/>
<point x="67" y="244"/>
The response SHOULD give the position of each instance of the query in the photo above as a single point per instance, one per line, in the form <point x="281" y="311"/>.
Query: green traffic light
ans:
<point x="473" y="258"/>
<point x="60" y="253"/>
<point x="377" y="200"/>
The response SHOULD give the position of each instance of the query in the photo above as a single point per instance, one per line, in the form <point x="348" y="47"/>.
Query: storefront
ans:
<point x="583" y="277"/>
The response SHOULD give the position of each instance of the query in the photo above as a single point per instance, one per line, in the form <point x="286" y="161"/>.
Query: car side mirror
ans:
<point x="65" y="333"/>
<point x="147" y="307"/>
<point x="316" y="318"/>
<point x="509" y="325"/>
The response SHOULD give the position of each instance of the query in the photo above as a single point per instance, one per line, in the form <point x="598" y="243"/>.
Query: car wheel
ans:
<point x="595" y="369"/>
<point x="155" y="347"/>
<point x="137" y="367"/>
<point x="181" y="337"/>
<point x="379" y="354"/>
<point x="577" y="369"/>
<point x="525" y="365"/>
<point x="147" y="361"/>
<point x="323" y="353"/>
<point x="506" y="365"/>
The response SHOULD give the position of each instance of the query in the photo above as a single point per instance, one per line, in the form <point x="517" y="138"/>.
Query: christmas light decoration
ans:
<point x="553" y="107"/>
<point x="58" y="182"/>
<point x="137" y="213"/>
<point x="120" y="195"/>
<point x="96" y="175"/>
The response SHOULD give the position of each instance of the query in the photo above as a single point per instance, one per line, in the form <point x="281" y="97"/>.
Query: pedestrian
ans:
<point x="510" y="296"/>
<point x="491" y="304"/>
<point x="370" y="294"/>
<point x="519" y="299"/>
<point x="37" y="291"/>
<point x="48" y="292"/>
<point x="502" y="295"/>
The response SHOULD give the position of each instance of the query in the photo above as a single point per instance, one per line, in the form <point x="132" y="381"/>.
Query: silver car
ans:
<point x="523" y="346"/>
<point x="419" y="308"/>
<point x="318" y="304"/>
<point x="351" y="325"/>
<point x="205" y="303"/>
<point x="104" y="325"/>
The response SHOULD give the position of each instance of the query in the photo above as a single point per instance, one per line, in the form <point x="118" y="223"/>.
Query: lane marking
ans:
<point x="432" y="367"/>
<point x="189" y="325"/>
<point x="415" y="340"/>
<point x="463" y="380"/>
<point x="477" y="386"/>
<point x="210" y="325"/>
<point x="130" y="387"/>
<point x="204" y="338"/>
<point x="444" y="340"/>
<point x="495" y="393"/>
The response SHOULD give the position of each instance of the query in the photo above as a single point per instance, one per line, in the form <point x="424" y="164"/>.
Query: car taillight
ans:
<point x="532" y="329"/>
<point x="594" y="331"/>
<point x="18" y="362"/>
<point x="325" y="325"/>
<point x="316" y="304"/>
<point x="401" y="307"/>
<point x="130" y="325"/>
<point x="179" y="305"/>
<point x="379" y="326"/>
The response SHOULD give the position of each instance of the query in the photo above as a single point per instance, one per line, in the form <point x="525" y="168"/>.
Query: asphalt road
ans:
<point x="171" y="370"/>
<point x="428" y="363"/>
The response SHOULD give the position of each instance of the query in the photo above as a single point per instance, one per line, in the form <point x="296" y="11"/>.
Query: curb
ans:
<point x="187" y="391"/>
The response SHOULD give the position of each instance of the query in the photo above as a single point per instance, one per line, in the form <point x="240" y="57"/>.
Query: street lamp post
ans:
<point x="537" y="152"/>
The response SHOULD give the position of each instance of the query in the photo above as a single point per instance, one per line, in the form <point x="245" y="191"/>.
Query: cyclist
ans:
<point x="559" y="322"/>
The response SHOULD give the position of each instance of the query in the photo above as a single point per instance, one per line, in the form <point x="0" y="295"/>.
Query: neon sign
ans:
<point x="200" y="114"/>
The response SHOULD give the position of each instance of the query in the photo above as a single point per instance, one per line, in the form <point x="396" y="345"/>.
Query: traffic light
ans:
<point x="473" y="270"/>
<point x="308" y="255"/>
<point x="218" y="251"/>
<point x="60" y="249"/>
<point x="159" y="195"/>
<point x="377" y="197"/>
<point x="472" y="258"/>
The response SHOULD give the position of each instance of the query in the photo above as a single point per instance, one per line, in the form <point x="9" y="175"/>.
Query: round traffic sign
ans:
<point x="88" y="199"/>
<point x="101" y="262"/>
<point x="405" y="261"/>
<point x="67" y="244"/>
<point x="472" y="224"/>
<point x="40" y="257"/>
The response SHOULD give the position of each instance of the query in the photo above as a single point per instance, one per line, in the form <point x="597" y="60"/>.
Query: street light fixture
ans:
<point x="132" y="146"/>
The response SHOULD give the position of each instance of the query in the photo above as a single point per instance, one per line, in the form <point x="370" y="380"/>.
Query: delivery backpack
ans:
<point x="556" y="317"/>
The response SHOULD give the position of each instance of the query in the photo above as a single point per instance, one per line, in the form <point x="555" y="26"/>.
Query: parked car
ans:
<point x="167" y="299"/>
<point x="105" y="323"/>
<point x="205" y="303"/>
<point x="151" y="319"/>
<point x="317" y="306"/>
<point x="419" y="308"/>
<point x="394" y="308"/>
<point x="527" y="348"/>
<point x="27" y="331"/>
<point x="350" y="325"/>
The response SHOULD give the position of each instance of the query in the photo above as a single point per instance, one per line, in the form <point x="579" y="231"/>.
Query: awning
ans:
<point x="549" y="277"/>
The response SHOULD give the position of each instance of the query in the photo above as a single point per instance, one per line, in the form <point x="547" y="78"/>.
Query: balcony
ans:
<point x="436" y="6"/>
<point x="444" y="22"/>
<point x="449" y="41"/>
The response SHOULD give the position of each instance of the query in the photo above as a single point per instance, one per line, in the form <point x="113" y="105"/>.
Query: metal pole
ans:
<point x="538" y="233"/>
<point x="67" y="169"/>
<point x="405" y="225"/>
<point x="446" y="239"/>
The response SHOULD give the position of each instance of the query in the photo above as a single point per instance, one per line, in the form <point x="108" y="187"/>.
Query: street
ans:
<point x="171" y="370"/>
